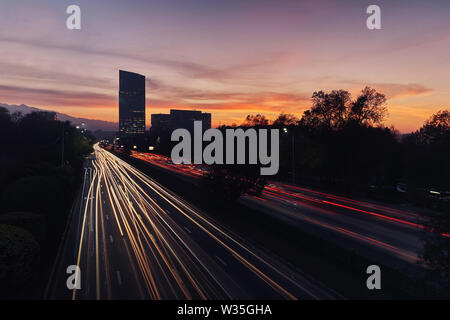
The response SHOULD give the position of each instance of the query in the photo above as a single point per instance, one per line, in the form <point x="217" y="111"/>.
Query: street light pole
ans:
<point x="293" y="158"/>
<point x="285" y="130"/>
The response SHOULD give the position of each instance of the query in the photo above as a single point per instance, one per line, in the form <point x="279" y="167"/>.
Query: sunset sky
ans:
<point x="230" y="58"/>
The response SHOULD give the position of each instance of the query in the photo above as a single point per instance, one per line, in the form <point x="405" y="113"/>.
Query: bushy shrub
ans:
<point x="40" y="194"/>
<point x="19" y="258"/>
<point x="32" y="222"/>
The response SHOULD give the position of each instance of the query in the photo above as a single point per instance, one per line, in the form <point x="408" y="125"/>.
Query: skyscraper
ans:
<point x="131" y="104"/>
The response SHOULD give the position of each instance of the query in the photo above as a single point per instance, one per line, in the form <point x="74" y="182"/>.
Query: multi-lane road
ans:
<point x="388" y="234"/>
<point x="133" y="239"/>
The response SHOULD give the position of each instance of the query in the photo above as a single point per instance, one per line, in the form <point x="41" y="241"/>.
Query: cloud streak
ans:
<point x="392" y="90"/>
<point x="231" y="57"/>
<point x="57" y="97"/>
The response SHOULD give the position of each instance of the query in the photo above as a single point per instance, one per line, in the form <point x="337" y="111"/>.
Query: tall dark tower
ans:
<point x="131" y="104"/>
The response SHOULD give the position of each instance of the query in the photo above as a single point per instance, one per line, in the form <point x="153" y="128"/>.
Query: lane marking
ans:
<point x="186" y="228"/>
<point x="111" y="238"/>
<point x="221" y="261"/>
<point x="119" y="279"/>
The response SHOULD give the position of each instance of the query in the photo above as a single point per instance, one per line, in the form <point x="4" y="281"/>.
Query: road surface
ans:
<point x="134" y="239"/>
<point x="385" y="233"/>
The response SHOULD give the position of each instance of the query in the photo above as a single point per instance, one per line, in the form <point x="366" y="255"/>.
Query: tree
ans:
<point x="340" y="144"/>
<point x="329" y="110"/>
<point x="33" y="177"/>
<point x="369" y="108"/>
<point x="45" y="195"/>
<point x="428" y="153"/>
<point x="255" y="121"/>
<point x="334" y="110"/>
<point x="4" y="115"/>
<point x="33" y="223"/>
<point x="285" y="119"/>
<point x="436" y="238"/>
<point x="436" y="128"/>
<point x="5" y="127"/>
<point x="19" y="258"/>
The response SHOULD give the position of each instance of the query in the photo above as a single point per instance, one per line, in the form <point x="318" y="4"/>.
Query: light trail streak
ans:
<point x="283" y="188"/>
<point x="162" y="255"/>
<point x="154" y="186"/>
<point x="407" y="255"/>
<point x="392" y="225"/>
<point x="80" y="246"/>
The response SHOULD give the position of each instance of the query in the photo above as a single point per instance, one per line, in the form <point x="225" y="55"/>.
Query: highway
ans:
<point x="386" y="234"/>
<point x="390" y="234"/>
<point x="134" y="239"/>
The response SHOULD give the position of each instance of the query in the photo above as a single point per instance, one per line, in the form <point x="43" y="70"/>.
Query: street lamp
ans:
<point x="285" y="130"/>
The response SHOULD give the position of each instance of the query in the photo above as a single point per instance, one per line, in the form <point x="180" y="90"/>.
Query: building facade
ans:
<point x="179" y="119"/>
<point x="131" y="104"/>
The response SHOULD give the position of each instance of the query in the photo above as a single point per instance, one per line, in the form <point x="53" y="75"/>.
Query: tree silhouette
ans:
<point x="436" y="253"/>
<point x="19" y="257"/>
<point x="285" y="119"/>
<point x="255" y="121"/>
<point x="329" y="110"/>
<point x="40" y="161"/>
<point x="433" y="139"/>
<point x="428" y="153"/>
<point x="334" y="110"/>
<point x="436" y="128"/>
<point x="369" y="108"/>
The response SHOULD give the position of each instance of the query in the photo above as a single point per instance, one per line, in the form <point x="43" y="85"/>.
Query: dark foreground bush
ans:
<point x="32" y="222"/>
<point x="39" y="194"/>
<point x="19" y="259"/>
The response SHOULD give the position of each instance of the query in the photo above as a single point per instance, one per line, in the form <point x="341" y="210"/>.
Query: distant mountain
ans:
<point x="92" y="125"/>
